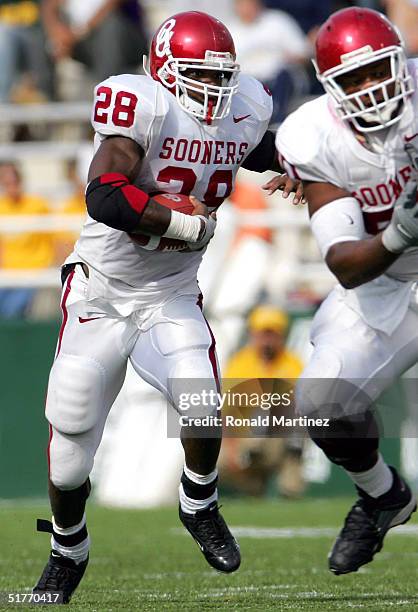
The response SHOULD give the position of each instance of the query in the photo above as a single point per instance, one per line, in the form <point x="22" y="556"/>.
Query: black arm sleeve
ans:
<point x="263" y="156"/>
<point x="112" y="200"/>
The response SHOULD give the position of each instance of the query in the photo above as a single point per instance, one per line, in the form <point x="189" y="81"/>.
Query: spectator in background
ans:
<point x="309" y="14"/>
<point x="22" y="52"/>
<point x="271" y="47"/>
<point x="404" y="14"/>
<point x="21" y="251"/>
<point x="107" y="36"/>
<point x="248" y="463"/>
<point x="74" y="205"/>
<point x="221" y="9"/>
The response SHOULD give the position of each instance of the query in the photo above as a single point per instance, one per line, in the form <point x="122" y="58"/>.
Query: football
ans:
<point x="174" y="201"/>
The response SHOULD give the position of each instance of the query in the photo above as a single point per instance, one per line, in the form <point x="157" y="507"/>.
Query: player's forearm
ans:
<point x="111" y="199"/>
<point x="155" y="220"/>
<point x="357" y="262"/>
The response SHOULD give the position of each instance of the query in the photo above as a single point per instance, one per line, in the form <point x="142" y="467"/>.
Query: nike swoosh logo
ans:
<point x="238" y="119"/>
<point x="409" y="138"/>
<point x="81" y="320"/>
<point x="350" y="219"/>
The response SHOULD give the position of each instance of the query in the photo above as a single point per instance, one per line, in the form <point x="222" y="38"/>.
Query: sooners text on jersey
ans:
<point x="182" y="155"/>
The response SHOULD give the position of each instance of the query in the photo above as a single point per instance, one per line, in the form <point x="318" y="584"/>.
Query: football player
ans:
<point x="359" y="168"/>
<point x="186" y="127"/>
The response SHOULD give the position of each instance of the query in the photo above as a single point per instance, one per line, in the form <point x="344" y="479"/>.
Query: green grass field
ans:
<point x="143" y="560"/>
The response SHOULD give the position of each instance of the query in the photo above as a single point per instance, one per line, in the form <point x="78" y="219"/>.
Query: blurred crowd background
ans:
<point x="52" y="53"/>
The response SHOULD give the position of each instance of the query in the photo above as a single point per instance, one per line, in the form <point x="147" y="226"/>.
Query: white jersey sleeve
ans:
<point x="338" y="221"/>
<point x="257" y="96"/>
<point x="304" y="144"/>
<point x="127" y="105"/>
<point x="254" y="100"/>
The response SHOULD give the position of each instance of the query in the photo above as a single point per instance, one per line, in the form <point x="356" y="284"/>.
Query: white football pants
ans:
<point x="90" y="365"/>
<point x="352" y="363"/>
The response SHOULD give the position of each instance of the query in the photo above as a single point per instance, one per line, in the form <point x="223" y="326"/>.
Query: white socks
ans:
<point x="376" y="481"/>
<point x="197" y="491"/>
<point x="78" y="541"/>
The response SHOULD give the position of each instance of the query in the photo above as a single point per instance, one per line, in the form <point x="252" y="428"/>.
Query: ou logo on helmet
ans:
<point x="162" y="42"/>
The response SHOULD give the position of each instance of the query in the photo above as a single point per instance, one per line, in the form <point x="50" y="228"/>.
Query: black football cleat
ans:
<point x="61" y="575"/>
<point x="216" y="542"/>
<point x="367" y="524"/>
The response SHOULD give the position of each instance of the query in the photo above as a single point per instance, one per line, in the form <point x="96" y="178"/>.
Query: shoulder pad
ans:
<point x="256" y="96"/>
<point x="300" y="136"/>
<point x="303" y="142"/>
<point x="127" y="105"/>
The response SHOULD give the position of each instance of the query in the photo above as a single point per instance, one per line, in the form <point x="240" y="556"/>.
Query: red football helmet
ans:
<point x="356" y="37"/>
<point x="195" y="40"/>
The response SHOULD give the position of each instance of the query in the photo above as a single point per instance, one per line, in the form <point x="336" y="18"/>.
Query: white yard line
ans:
<point x="265" y="533"/>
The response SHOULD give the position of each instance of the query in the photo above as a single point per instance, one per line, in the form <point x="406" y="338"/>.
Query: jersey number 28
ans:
<point x="124" y="104"/>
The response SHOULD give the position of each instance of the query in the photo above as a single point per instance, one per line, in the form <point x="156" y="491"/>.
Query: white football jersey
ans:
<point x="182" y="155"/>
<point x="314" y="144"/>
